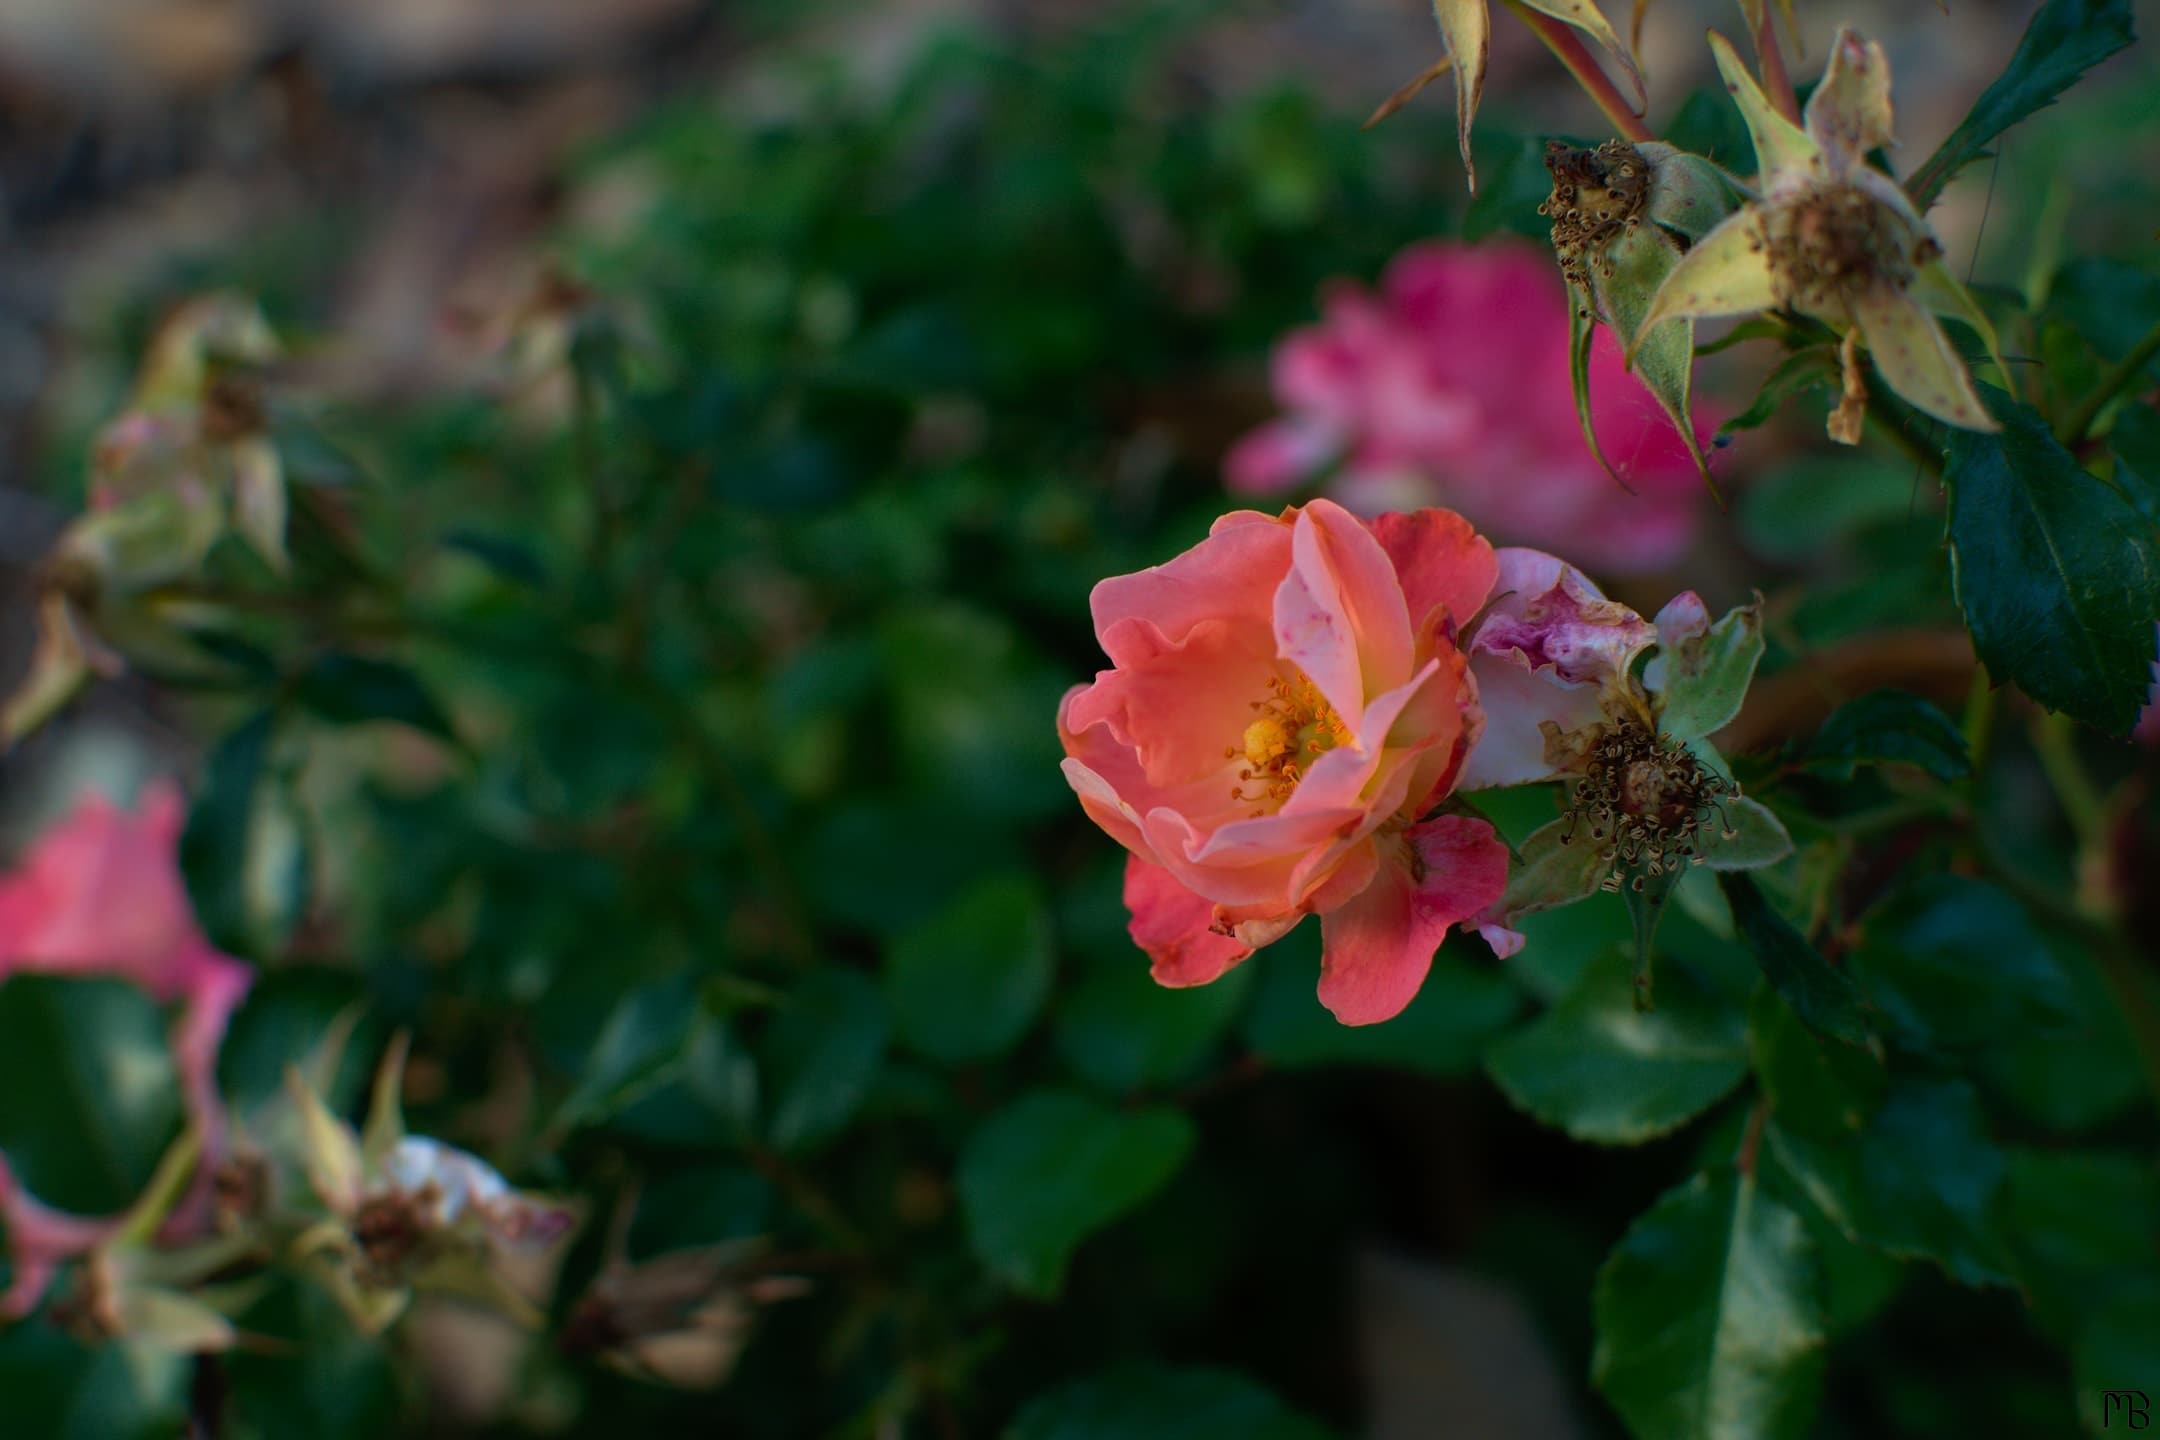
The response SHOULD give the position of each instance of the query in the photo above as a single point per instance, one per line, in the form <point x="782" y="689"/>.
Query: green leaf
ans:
<point x="2057" y="572"/>
<point x="1823" y="997"/>
<point x="1122" y="1032"/>
<point x="59" y="1390"/>
<point x="1155" y="1402"/>
<point x="1701" y="682"/>
<point x="1758" y="837"/>
<point x="2079" y="1077"/>
<point x="1802" y="510"/>
<point x="825" y="1050"/>
<point x="1815" y="368"/>
<point x="967" y="984"/>
<point x="1709" y="1317"/>
<point x="1888" y="727"/>
<point x="1920" y="1180"/>
<point x="2111" y="305"/>
<point x="1461" y="1005"/>
<point x="663" y="1067"/>
<point x="1602" y="1070"/>
<point x="2082" y="1225"/>
<point x="1816" y="1087"/>
<point x="89" y="1099"/>
<point x="286" y="1015"/>
<point x="2118" y="1351"/>
<point x="1554" y="867"/>
<point x="354" y="690"/>
<point x="216" y="846"/>
<point x="2065" y="39"/>
<point x="1954" y="966"/>
<point x="1051" y="1169"/>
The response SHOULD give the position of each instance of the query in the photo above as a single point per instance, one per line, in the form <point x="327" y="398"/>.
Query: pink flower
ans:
<point x="1287" y="699"/>
<point x="1450" y="386"/>
<point x="101" y="894"/>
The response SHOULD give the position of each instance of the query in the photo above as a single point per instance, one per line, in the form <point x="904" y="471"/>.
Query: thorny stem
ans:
<point x="2118" y="376"/>
<point x="1916" y="450"/>
<point x="808" y="1198"/>
<point x="2057" y="748"/>
<point x="1776" y="82"/>
<point x="1979" y="726"/>
<point x="1567" y="47"/>
<point x="1751" y="1141"/>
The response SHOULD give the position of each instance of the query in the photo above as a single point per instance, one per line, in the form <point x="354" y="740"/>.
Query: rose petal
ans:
<point x="1231" y="575"/>
<point x="1377" y="948"/>
<point x="1175" y="927"/>
<point x="1440" y="561"/>
<point x="1339" y="612"/>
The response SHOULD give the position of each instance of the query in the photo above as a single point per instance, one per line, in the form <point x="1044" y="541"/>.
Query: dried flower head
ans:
<point x="1835" y="238"/>
<point x="1646" y="798"/>
<point x="1597" y="196"/>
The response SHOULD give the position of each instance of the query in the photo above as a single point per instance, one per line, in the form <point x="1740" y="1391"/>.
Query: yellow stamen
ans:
<point x="1295" y="726"/>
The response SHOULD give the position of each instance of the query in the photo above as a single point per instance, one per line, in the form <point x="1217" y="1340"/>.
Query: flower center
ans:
<point x="1294" y="726"/>
<point x="1835" y="240"/>
<point x="1647" y="798"/>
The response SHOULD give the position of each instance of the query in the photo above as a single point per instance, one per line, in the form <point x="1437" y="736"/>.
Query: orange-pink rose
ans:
<point x="101" y="894"/>
<point x="1286" y="700"/>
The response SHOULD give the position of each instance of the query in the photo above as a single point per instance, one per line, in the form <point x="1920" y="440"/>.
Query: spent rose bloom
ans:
<point x="1449" y="385"/>
<point x="100" y="894"/>
<point x="1287" y="699"/>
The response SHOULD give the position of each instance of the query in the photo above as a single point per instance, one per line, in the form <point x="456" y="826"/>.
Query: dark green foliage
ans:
<point x="2057" y="571"/>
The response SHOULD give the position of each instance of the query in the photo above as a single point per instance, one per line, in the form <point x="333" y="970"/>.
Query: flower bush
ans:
<point x="656" y="931"/>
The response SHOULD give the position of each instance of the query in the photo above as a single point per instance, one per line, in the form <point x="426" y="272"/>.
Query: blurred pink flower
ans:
<point x="101" y="894"/>
<point x="1450" y="387"/>
<point x="1286" y="699"/>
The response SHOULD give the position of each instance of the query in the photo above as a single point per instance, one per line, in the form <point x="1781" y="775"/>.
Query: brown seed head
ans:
<point x="1597" y="196"/>
<point x="1834" y="240"/>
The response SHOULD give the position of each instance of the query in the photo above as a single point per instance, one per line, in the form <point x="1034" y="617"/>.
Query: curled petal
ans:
<point x="1441" y="562"/>
<point x="1230" y="575"/>
<point x="1786" y="155"/>
<point x="1684" y="618"/>
<point x="1849" y="113"/>
<point x="1518" y="702"/>
<point x="1727" y="272"/>
<point x="39" y="1240"/>
<point x="1339" y="613"/>
<point x="1915" y="358"/>
<point x="1378" y="947"/>
<point x="1574" y="630"/>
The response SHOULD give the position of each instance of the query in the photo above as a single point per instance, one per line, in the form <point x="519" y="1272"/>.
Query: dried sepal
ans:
<point x="1916" y="359"/>
<point x="1466" y="32"/>
<point x="1784" y="154"/>
<point x="1409" y="91"/>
